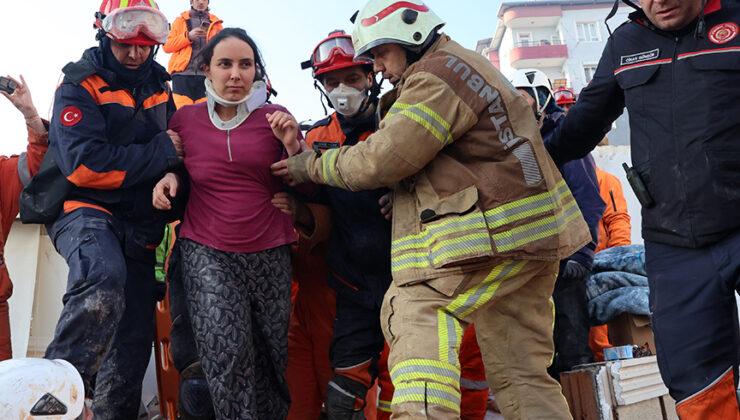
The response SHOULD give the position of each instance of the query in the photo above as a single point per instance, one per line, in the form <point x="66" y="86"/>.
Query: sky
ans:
<point x="42" y="36"/>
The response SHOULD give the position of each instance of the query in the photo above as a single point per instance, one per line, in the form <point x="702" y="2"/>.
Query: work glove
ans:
<point x="574" y="270"/>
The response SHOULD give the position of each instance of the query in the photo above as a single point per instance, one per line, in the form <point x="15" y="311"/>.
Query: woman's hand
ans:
<point x="177" y="142"/>
<point x="296" y="209"/>
<point x="285" y="128"/>
<point x="21" y="99"/>
<point x="165" y="188"/>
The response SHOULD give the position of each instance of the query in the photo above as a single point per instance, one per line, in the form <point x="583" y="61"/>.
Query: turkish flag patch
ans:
<point x="71" y="115"/>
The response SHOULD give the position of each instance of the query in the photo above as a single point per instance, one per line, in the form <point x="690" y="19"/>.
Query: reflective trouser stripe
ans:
<point x="470" y="300"/>
<point x="415" y="369"/>
<point x="449" y="336"/>
<point x="427" y="118"/>
<point x="427" y="392"/>
<point x="384" y="406"/>
<point x="473" y="385"/>
<point x="525" y="234"/>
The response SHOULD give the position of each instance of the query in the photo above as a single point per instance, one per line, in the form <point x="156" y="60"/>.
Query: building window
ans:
<point x="558" y="83"/>
<point x="524" y="39"/>
<point x="588" y="31"/>
<point x="588" y="72"/>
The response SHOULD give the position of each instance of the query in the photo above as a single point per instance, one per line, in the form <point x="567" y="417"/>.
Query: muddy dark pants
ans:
<point x="107" y="324"/>
<point x="354" y="352"/>
<point x="694" y="317"/>
<point x="572" y="325"/>
<point x="239" y="306"/>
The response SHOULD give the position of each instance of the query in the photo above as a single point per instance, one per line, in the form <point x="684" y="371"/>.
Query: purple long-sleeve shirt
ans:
<point x="229" y="208"/>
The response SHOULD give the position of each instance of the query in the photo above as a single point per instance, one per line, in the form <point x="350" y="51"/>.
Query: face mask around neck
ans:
<point x="347" y="100"/>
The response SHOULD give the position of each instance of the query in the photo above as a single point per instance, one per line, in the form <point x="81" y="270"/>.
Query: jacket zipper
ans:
<point x="228" y="144"/>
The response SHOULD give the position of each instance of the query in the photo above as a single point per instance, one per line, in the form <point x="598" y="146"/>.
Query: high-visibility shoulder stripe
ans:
<point x="645" y="64"/>
<point x="706" y="52"/>
<point x="98" y="89"/>
<point x="86" y="177"/>
<point x="156" y="99"/>
<point x="427" y="118"/>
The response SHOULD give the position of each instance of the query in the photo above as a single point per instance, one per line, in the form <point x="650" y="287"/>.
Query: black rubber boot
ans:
<point x="194" y="400"/>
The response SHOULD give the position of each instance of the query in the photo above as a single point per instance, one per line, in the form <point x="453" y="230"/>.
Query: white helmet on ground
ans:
<point x="40" y="388"/>
<point x="409" y="23"/>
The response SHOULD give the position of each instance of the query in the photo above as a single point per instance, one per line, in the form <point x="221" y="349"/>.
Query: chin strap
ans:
<point x="324" y="96"/>
<point x="700" y="26"/>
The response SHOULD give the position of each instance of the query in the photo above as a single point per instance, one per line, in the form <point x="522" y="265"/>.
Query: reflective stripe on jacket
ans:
<point x="179" y="45"/>
<point x="472" y="181"/>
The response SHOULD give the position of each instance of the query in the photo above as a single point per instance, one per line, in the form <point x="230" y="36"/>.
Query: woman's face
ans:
<point x="231" y="69"/>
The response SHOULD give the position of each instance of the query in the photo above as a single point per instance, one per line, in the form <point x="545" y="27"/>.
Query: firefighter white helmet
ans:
<point x="409" y="23"/>
<point x="48" y="389"/>
<point x="537" y="84"/>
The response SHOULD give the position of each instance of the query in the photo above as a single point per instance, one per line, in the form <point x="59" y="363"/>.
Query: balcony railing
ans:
<point x="540" y="43"/>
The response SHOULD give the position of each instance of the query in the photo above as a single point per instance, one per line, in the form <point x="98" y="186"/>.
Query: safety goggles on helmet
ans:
<point x="333" y="53"/>
<point x="337" y="45"/>
<point x="128" y="24"/>
<point x="564" y="96"/>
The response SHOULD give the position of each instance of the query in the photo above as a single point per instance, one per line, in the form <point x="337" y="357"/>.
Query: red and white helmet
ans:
<point x="333" y="53"/>
<point x="132" y="22"/>
<point x="564" y="96"/>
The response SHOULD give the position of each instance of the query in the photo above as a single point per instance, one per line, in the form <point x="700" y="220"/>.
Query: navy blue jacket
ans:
<point x="683" y="97"/>
<point x="111" y="142"/>
<point x="359" y="248"/>
<point x="580" y="175"/>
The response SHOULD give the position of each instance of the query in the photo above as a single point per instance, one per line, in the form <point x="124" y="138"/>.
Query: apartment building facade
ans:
<point x="563" y="38"/>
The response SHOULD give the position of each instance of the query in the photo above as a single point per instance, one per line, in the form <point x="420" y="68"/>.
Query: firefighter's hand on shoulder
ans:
<point x="386" y="205"/>
<point x="165" y="188"/>
<point x="285" y="128"/>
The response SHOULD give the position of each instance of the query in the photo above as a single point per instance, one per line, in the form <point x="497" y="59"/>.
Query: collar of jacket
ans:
<point x="443" y="39"/>
<point x="92" y="63"/>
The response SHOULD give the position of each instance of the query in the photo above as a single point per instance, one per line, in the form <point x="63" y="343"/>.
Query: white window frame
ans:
<point x="556" y="40"/>
<point x="586" y="79"/>
<point x="591" y="31"/>
<point x="530" y="40"/>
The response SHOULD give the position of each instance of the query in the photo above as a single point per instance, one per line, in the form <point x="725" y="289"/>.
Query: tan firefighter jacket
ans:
<point x="473" y="183"/>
